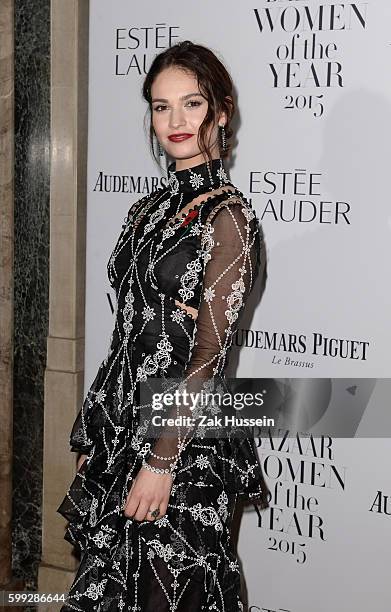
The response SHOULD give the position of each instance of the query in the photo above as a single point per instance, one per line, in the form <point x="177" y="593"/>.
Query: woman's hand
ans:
<point x="148" y="492"/>
<point x="81" y="460"/>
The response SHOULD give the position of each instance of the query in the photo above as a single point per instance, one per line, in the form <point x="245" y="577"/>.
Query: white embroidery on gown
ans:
<point x="204" y="254"/>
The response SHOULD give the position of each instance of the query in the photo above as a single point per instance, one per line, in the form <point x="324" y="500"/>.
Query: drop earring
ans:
<point x="223" y="141"/>
<point x="160" y="149"/>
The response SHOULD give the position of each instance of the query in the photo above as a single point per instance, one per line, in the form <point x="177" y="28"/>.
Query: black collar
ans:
<point x="198" y="179"/>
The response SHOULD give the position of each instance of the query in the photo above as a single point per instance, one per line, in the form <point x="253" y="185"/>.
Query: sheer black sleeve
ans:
<point x="230" y="243"/>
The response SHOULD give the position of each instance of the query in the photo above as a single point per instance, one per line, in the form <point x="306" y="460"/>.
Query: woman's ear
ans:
<point x="222" y="119"/>
<point x="223" y="115"/>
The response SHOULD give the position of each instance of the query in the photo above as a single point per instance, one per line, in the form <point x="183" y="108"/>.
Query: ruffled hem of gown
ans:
<point x="98" y="527"/>
<point x="101" y="486"/>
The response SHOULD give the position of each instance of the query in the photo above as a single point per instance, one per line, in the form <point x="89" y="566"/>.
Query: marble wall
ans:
<point x="32" y="168"/>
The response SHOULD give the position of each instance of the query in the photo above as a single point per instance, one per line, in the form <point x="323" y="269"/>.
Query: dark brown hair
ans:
<point x="214" y="83"/>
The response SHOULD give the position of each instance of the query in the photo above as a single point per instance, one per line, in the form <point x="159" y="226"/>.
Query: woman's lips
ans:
<point x="179" y="137"/>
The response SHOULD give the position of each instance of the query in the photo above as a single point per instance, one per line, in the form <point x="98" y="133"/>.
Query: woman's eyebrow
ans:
<point x="181" y="98"/>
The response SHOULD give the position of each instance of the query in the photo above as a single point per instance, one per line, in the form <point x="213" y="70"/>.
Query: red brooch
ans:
<point x="189" y="217"/>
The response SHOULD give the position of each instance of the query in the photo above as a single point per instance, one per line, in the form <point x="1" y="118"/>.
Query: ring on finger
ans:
<point x="155" y="513"/>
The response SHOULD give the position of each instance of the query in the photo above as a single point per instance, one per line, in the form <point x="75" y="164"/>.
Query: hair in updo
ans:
<point x="214" y="83"/>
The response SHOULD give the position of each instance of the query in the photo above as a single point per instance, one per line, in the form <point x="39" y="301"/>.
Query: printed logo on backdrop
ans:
<point x="123" y="183"/>
<point x="295" y="196"/>
<point x="300" y="349"/>
<point x="307" y="55"/>
<point x="381" y="504"/>
<point x="136" y="46"/>
<point x="300" y="472"/>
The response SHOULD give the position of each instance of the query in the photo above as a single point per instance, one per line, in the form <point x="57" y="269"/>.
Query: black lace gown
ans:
<point x="195" y="242"/>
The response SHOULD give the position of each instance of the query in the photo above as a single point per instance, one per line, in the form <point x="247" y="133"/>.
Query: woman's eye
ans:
<point x="191" y="103"/>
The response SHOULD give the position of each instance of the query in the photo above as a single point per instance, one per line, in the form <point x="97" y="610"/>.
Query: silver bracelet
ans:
<point x="151" y="468"/>
<point x="164" y="458"/>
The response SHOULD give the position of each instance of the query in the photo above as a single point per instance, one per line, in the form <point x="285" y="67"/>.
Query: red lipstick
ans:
<point x="179" y="137"/>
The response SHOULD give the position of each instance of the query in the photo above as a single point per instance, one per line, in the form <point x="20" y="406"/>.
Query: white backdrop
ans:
<point x="313" y="148"/>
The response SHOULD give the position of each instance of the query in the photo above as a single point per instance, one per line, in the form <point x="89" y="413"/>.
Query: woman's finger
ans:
<point x="142" y="510"/>
<point x="164" y="505"/>
<point x="131" y="505"/>
<point x="153" y="506"/>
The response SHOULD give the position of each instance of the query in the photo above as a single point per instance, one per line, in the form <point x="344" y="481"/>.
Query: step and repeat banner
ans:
<point x="313" y="150"/>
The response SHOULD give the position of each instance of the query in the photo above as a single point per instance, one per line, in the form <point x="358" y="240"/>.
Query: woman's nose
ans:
<point x="177" y="118"/>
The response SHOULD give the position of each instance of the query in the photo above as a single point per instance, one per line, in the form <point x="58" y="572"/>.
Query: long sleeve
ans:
<point x="232" y="256"/>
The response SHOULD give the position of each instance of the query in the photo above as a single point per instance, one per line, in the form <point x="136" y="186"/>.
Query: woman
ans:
<point x="151" y="513"/>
